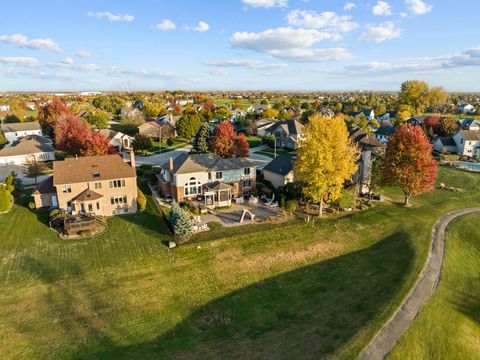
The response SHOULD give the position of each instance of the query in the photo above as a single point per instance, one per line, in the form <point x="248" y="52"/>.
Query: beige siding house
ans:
<point x="102" y="185"/>
<point x="279" y="171"/>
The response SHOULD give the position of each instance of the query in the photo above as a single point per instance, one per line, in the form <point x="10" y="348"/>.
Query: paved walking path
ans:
<point x="390" y="333"/>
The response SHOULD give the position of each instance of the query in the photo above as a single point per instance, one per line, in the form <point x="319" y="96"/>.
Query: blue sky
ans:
<point x="54" y="45"/>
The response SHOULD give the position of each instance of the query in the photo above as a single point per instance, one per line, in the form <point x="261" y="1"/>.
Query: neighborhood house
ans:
<point x="102" y="185"/>
<point x="215" y="180"/>
<point x="279" y="171"/>
<point x="287" y="133"/>
<point x="28" y="148"/>
<point x="15" y="131"/>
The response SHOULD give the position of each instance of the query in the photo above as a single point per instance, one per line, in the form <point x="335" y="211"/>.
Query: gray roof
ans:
<point x="218" y="185"/>
<point x="25" y="126"/>
<point x="45" y="187"/>
<point x="385" y="130"/>
<point x="470" y="122"/>
<point x="470" y="135"/>
<point x="31" y="144"/>
<point x="281" y="165"/>
<point x="291" y="127"/>
<point x="447" y="141"/>
<point x="190" y="163"/>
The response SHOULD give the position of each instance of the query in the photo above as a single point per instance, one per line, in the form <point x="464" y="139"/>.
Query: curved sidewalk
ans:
<point x="427" y="282"/>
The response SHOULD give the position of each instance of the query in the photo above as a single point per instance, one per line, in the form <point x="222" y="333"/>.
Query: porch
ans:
<point x="217" y="194"/>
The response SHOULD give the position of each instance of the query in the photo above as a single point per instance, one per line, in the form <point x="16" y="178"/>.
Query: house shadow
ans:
<point x="310" y="312"/>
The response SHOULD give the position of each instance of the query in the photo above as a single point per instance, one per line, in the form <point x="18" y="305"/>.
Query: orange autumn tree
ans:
<point x="408" y="162"/>
<point x="51" y="113"/>
<point x="223" y="142"/>
<point x="241" y="146"/>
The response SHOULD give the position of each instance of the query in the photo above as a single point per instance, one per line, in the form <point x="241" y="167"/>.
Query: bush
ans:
<point x="141" y="200"/>
<point x="346" y="199"/>
<point x="31" y="205"/>
<point x="85" y="233"/>
<point x="6" y="199"/>
<point x="170" y="141"/>
<point x="53" y="213"/>
<point x="291" y="206"/>
<point x="281" y="200"/>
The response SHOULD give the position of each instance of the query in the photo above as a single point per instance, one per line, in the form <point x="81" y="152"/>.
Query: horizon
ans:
<point x="239" y="46"/>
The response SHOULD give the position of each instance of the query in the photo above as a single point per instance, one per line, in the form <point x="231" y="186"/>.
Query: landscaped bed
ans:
<point x="291" y="290"/>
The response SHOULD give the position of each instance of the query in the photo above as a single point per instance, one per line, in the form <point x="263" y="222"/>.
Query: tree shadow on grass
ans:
<point x="468" y="304"/>
<point x="311" y="312"/>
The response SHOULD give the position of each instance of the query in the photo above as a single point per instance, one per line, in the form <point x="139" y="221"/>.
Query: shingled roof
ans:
<point x="291" y="127"/>
<point x="25" y="126"/>
<point x="31" y="144"/>
<point x="87" y="195"/>
<point x="364" y="140"/>
<point x="190" y="163"/>
<point x="281" y="165"/>
<point x="470" y="135"/>
<point x="45" y="187"/>
<point x="91" y="168"/>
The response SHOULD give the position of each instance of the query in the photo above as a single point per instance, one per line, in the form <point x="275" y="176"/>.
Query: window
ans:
<point x="193" y="187"/>
<point x="209" y="176"/>
<point x="119" y="199"/>
<point x="218" y="175"/>
<point x="246" y="171"/>
<point x="66" y="189"/>
<point x="247" y="183"/>
<point x="90" y="207"/>
<point x="82" y="207"/>
<point x="96" y="175"/>
<point x="116" y="183"/>
<point x="98" y="185"/>
<point x="98" y="205"/>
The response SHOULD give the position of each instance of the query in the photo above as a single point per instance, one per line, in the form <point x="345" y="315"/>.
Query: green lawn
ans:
<point x="289" y="290"/>
<point x="270" y="153"/>
<point x="449" y="326"/>
<point x="254" y="141"/>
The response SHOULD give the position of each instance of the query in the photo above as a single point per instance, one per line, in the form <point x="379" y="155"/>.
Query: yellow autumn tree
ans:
<point x="325" y="159"/>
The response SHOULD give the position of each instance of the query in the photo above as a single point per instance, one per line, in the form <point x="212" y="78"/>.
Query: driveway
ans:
<point x="19" y="170"/>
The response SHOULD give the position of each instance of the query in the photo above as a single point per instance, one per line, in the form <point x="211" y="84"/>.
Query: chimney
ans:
<point x="132" y="159"/>
<point x="170" y="164"/>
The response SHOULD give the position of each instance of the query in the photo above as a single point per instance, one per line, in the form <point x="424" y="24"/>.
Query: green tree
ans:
<point x="141" y="200"/>
<point x="325" y="159"/>
<point x="271" y="113"/>
<point x="448" y="126"/>
<point x="180" y="222"/>
<point x="223" y="113"/>
<point x="3" y="140"/>
<point x="188" y="125"/>
<point x="437" y="97"/>
<point x="6" y="199"/>
<point x="202" y="140"/>
<point x="153" y="109"/>
<point x="99" y="120"/>
<point x="142" y="143"/>
<point x="12" y="118"/>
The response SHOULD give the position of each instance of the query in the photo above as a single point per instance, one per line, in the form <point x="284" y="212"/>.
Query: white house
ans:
<point x="4" y="107"/>
<point x="32" y="147"/>
<point x="279" y="171"/>
<point x="468" y="142"/>
<point x="15" y="131"/>
<point x="470" y="124"/>
<point x="117" y="139"/>
<point x="383" y="132"/>
<point x="446" y="144"/>
<point x="31" y="106"/>
<point x="466" y="108"/>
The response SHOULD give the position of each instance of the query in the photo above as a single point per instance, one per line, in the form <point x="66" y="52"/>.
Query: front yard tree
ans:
<point x="448" y="126"/>
<point x="51" y="113"/>
<point x="201" y="143"/>
<point x="408" y="162"/>
<point x="72" y="134"/>
<point x="6" y="199"/>
<point x="325" y="159"/>
<point x="188" y="125"/>
<point x="241" y="146"/>
<point x="3" y="140"/>
<point x="142" y="143"/>
<point x="416" y="94"/>
<point x="98" y="120"/>
<point x="34" y="169"/>
<point x="223" y="143"/>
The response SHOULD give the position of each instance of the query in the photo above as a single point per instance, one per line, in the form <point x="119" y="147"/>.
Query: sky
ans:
<point x="288" y="45"/>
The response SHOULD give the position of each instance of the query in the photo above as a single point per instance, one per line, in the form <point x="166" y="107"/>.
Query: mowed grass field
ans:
<point x="294" y="290"/>
<point x="449" y="326"/>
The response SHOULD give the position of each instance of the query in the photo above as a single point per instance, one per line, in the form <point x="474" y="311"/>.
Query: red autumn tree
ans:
<point x="209" y="105"/>
<point x="408" y="162"/>
<point x="241" y="146"/>
<point x="72" y="134"/>
<point x="223" y="142"/>
<point x="432" y="124"/>
<point x="51" y="113"/>
<point x="97" y="144"/>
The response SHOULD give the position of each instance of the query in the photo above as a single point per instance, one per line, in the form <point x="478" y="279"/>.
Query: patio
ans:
<point x="232" y="215"/>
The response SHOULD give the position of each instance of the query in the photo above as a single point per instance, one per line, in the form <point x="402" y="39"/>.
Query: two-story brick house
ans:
<point x="216" y="180"/>
<point x="103" y="185"/>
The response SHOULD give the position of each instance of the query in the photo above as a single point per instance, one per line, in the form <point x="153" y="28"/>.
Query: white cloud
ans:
<point x="381" y="32"/>
<point x="290" y="43"/>
<point x="165" y="25"/>
<point x="247" y="63"/>
<point x="19" y="60"/>
<point x="403" y="14"/>
<point x="111" y="17"/>
<point x="326" y="20"/>
<point x="266" y="4"/>
<point x="218" y="72"/>
<point x="202" y="26"/>
<point x="382" y="8"/>
<point x="22" y="41"/>
<point x="349" y="6"/>
<point x="84" y="53"/>
<point x="418" y="7"/>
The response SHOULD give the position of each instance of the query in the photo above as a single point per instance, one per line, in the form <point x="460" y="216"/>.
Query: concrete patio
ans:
<point x="231" y="216"/>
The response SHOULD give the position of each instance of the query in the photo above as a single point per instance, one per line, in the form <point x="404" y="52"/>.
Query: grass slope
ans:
<point x="449" y="326"/>
<point x="272" y="291"/>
